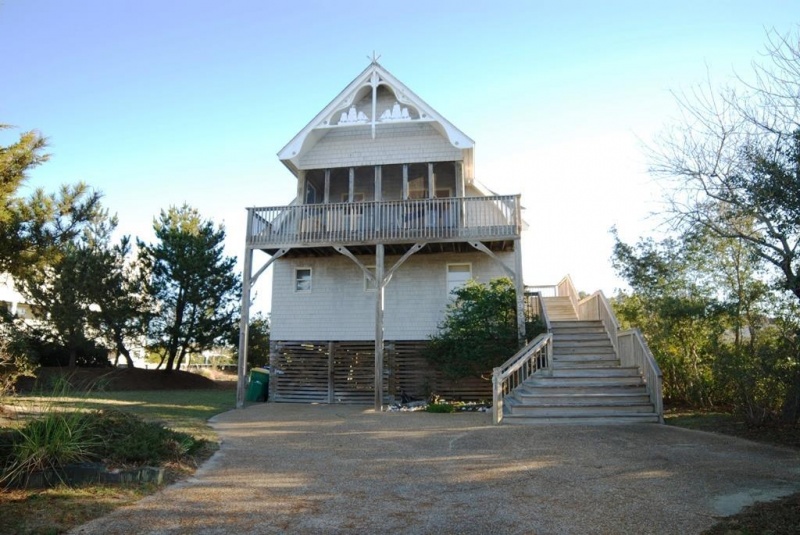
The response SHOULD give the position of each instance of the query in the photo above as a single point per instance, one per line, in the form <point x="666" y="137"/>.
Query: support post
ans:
<point x="405" y="181"/>
<point x="520" y="287"/>
<point x="431" y="182"/>
<point x="379" y="259"/>
<point x="331" y="379"/>
<point x="244" y="323"/>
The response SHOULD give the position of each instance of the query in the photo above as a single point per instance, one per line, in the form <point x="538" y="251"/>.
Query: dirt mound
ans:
<point x="117" y="379"/>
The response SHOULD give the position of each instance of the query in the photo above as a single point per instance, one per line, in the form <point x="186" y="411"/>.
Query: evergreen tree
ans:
<point x="193" y="284"/>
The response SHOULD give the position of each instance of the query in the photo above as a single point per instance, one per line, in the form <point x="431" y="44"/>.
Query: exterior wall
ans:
<point x="394" y="143"/>
<point x="339" y="308"/>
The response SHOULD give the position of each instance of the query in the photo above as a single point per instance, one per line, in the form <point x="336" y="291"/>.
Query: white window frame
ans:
<point x="447" y="276"/>
<point x="297" y="281"/>
<point x="367" y="284"/>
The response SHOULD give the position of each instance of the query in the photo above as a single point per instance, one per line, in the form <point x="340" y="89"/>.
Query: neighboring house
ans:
<point x="387" y="221"/>
<point x="12" y="300"/>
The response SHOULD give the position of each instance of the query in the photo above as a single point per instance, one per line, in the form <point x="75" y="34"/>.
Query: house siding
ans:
<point x="393" y="144"/>
<point x="338" y="307"/>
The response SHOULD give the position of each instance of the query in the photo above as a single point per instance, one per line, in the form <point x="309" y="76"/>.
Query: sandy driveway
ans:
<point x="341" y="469"/>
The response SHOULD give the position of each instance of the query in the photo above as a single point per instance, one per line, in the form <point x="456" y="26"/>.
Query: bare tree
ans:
<point x="734" y="157"/>
<point x="733" y="162"/>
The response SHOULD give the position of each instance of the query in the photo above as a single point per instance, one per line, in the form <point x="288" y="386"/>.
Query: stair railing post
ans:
<point x="497" y="397"/>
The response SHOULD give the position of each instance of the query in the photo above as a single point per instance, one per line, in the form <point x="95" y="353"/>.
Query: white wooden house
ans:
<point x="388" y="219"/>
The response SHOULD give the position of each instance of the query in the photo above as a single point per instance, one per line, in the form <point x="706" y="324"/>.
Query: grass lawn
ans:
<point x="780" y="517"/>
<point x="59" y="509"/>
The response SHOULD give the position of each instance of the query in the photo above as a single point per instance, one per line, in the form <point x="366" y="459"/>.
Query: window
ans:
<point x="302" y="280"/>
<point x="370" y="286"/>
<point x="457" y="276"/>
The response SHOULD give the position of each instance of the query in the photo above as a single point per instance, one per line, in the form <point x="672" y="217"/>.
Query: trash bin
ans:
<point x="259" y="385"/>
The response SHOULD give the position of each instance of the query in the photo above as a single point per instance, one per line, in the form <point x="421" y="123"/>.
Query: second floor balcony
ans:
<point x="452" y="219"/>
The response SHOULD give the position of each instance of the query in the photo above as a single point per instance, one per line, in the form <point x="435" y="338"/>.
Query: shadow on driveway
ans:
<point x="286" y="468"/>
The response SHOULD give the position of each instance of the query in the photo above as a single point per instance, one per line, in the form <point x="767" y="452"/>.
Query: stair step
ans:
<point x="575" y="340"/>
<point x="581" y="410"/>
<point x="593" y="363"/>
<point x="596" y="371"/>
<point x="556" y="382"/>
<point x="581" y="399"/>
<point x="545" y="390"/>
<point x="583" y="350"/>
<point x="588" y="357"/>
<point x="559" y="342"/>
<point x="513" y="419"/>
<point x="576" y="324"/>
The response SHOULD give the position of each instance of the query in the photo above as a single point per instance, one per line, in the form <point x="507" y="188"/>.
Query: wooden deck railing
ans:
<point x="566" y="288"/>
<point x="537" y="355"/>
<point x="447" y="219"/>
<point x="596" y="307"/>
<point x="630" y="346"/>
<point x="534" y="305"/>
<point x="634" y="351"/>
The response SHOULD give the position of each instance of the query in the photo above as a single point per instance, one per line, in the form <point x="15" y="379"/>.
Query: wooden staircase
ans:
<point x="587" y="383"/>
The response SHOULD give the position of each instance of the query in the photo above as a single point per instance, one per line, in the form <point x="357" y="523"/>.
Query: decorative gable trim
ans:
<point x="373" y="100"/>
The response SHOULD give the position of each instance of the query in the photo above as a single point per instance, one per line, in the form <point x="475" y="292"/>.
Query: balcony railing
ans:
<point x="448" y="219"/>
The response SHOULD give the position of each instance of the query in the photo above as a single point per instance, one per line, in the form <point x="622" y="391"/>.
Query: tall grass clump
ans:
<point x="49" y="442"/>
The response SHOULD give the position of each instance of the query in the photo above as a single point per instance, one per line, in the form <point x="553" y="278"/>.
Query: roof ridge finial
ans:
<point x="374" y="58"/>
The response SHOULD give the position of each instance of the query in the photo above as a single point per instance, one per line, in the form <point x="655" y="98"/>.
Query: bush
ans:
<point x="479" y="331"/>
<point x="128" y="439"/>
<point x="90" y="354"/>
<point x="14" y="358"/>
<point x="441" y="408"/>
<point x="114" y="437"/>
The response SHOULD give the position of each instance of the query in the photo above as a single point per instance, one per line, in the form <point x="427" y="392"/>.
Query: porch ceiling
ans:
<point x="395" y="249"/>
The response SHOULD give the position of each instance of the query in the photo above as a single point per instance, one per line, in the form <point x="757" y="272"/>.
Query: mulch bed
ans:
<point x="117" y="379"/>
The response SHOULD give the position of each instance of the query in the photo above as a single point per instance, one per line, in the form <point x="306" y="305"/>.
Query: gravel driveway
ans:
<point x="286" y="468"/>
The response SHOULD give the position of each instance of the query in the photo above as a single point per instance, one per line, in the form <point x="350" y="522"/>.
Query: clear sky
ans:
<point x="157" y="103"/>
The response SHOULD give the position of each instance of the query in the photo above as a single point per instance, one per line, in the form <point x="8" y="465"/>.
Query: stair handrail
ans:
<point x="537" y="355"/>
<point x="634" y="351"/>
<point x="541" y="311"/>
<point x="630" y="346"/>
<point x="566" y="288"/>
<point x="597" y="308"/>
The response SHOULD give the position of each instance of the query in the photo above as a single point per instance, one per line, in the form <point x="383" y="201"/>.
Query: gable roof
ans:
<point x="343" y="113"/>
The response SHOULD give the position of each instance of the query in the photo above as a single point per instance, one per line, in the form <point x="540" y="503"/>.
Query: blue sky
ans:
<point x="157" y="103"/>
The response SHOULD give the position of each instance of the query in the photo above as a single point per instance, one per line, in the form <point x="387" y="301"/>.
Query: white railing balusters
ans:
<point x="537" y="355"/>
<point x="375" y="221"/>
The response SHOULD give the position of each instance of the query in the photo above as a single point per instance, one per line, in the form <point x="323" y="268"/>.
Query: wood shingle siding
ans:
<point x="339" y="308"/>
<point x="393" y="144"/>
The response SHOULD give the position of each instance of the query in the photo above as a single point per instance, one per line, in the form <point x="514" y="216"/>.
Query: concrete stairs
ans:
<point x="587" y="385"/>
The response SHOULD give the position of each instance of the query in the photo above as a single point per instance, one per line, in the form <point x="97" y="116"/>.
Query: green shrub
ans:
<point x="114" y="437"/>
<point x="441" y="407"/>
<point x="128" y="439"/>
